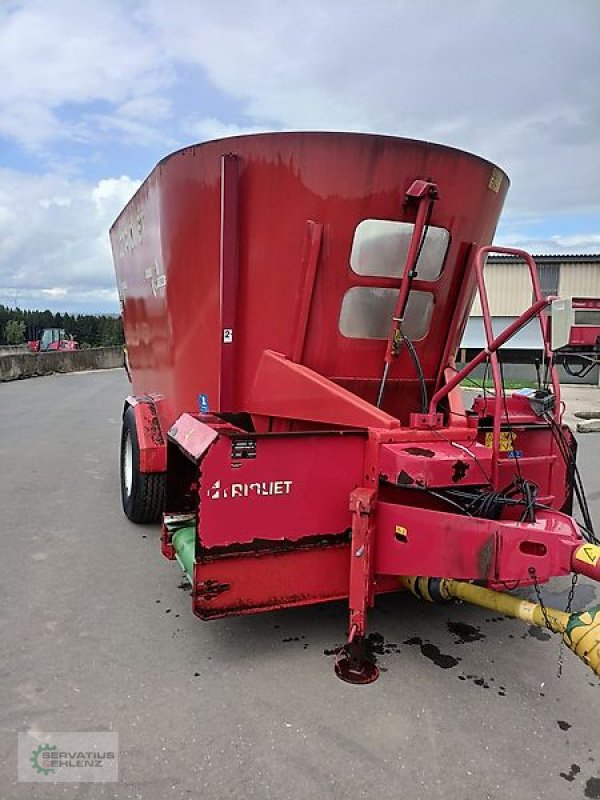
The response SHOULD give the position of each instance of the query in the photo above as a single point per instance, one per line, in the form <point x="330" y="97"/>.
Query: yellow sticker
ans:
<point x="507" y="439"/>
<point x="495" y="180"/>
<point x="588" y="553"/>
<point x="401" y="533"/>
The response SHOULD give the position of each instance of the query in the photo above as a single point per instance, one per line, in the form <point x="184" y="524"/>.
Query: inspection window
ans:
<point x="367" y="313"/>
<point x="380" y="248"/>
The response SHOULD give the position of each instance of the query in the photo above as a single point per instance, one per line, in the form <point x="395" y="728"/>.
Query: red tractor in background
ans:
<point x="51" y="339"/>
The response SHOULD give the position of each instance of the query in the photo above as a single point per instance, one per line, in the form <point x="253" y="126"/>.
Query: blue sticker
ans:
<point x="203" y="403"/>
<point x="515" y="454"/>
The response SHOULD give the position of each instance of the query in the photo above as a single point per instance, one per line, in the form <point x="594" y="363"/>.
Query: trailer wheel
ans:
<point x="142" y="493"/>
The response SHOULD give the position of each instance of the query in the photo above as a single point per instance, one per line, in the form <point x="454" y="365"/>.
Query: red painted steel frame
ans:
<point x="151" y="441"/>
<point x="228" y="259"/>
<point x="439" y="544"/>
<point x="362" y="589"/>
<point x="310" y="259"/>
<point x="291" y="391"/>
<point x="487" y="321"/>
<point x="295" y="486"/>
<point x="424" y="194"/>
<point x="494" y="344"/>
<point x="245" y="583"/>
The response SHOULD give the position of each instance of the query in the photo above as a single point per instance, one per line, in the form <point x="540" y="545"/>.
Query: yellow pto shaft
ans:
<point x="580" y="631"/>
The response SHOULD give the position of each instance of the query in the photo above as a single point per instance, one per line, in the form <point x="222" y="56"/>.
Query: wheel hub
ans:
<point x="128" y="464"/>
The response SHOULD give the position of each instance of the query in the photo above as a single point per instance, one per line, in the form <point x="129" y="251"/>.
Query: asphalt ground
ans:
<point x="97" y="636"/>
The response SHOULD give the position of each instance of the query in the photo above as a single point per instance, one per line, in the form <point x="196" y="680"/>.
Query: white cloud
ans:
<point x="203" y="129"/>
<point x="583" y="243"/>
<point x="68" y="52"/>
<point x="54" y="232"/>
<point x="143" y="121"/>
<point x="513" y="82"/>
<point x="111" y="194"/>
<point x="516" y="84"/>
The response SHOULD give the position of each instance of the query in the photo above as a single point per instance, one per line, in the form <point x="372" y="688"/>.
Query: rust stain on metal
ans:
<point x="241" y="608"/>
<point x="258" y="547"/>
<point x="459" y="470"/>
<point x="486" y="557"/>
<point x="155" y="431"/>
<point x="404" y="479"/>
<point x="153" y="427"/>
<point x="420" y="451"/>
<point x="209" y="589"/>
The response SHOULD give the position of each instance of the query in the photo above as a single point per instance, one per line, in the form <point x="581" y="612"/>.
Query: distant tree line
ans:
<point x="90" y="330"/>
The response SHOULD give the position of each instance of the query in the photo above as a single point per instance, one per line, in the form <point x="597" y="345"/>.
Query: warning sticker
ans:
<point x="588" y="553"/>
<point x="401" y="533"/>
<point x="507" y="438"/>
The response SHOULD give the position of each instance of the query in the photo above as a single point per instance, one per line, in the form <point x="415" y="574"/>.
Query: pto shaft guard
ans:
<point x="580" y="630"/>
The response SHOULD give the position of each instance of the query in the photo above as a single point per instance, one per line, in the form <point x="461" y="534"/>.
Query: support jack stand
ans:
<point x="353" y="664"/>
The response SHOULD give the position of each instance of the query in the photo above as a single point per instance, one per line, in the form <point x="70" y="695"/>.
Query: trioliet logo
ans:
<point x="263" y="489"/>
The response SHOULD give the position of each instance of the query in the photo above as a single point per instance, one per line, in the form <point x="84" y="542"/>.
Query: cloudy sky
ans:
<point x="94" y="93"/>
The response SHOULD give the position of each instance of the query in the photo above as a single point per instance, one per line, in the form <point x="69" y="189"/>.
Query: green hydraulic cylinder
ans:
<point x="184" y="542"/>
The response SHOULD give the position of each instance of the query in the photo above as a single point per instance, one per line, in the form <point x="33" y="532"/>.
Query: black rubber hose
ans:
<point x="419" y="369"/>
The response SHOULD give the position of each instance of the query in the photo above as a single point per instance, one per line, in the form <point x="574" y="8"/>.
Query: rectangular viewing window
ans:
<point x="587" y="317"/>
<point x="367" y="313"/>
<point x="380" y="247"/>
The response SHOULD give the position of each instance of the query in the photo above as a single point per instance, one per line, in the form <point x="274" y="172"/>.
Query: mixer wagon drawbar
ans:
<point x="292" y="305"/>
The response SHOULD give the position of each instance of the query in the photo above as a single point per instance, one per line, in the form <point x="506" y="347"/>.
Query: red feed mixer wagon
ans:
<point x="292" y="305"/>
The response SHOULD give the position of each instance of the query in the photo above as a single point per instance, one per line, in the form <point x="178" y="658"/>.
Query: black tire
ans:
<point x="142" y="493"/>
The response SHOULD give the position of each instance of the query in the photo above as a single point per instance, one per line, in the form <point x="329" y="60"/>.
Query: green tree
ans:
<point x="93" y="330"/>
<point x="14" y="331"/>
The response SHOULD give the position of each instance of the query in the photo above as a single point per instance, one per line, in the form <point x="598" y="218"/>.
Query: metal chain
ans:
<point x="570" y="596"/>
<point x="574" y="579"/>
<point x="539" y="599"/>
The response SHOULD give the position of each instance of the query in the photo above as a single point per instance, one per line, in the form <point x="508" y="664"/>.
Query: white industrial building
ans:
<point x="510" y="293"/>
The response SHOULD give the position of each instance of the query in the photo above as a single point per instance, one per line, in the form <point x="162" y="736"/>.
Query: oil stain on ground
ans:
<point x="295" y="639"/>
<point x="433" y="653"/>
<point x="572" y="773"/>
<point x="376" y="645"/>
<point x="484" y="683"/>
<point x="537" y="633"/>
<point x="464" y="633"/>
<point x="592" y="788"/>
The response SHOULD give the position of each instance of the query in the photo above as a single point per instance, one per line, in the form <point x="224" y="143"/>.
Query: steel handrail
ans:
<point x="494" y="343"/>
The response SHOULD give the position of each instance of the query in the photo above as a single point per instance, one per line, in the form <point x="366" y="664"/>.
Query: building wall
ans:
<point x="509" y="286"/>
<point x="508" y="289"/>
<point x="582" y="279"/>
